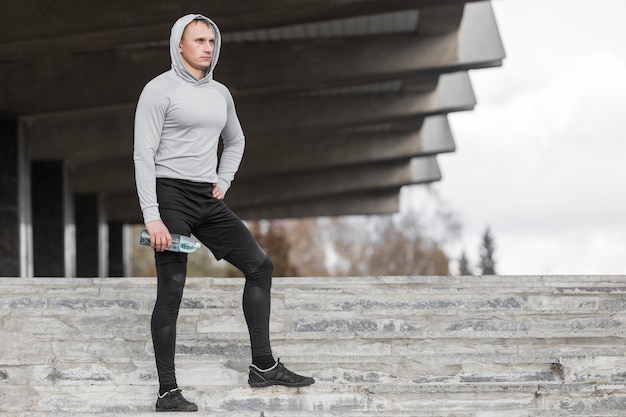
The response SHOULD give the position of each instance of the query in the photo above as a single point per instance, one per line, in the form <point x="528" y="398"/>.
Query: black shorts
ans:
<point x="188" y="207"/>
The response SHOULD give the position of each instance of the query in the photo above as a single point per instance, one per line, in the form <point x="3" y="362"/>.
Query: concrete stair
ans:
<point x="377" y="346"/>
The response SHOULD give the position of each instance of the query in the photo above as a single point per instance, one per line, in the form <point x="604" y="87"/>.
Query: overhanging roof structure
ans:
<point x="342" y="102"/>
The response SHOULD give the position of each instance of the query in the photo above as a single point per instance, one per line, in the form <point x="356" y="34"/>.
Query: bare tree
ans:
<point x="382" y="245"/>
<point x="272" y="235"/>
<point x="307" y="246"/>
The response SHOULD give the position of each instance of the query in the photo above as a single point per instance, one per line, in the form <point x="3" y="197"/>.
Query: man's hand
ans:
<point x="160" y="237"/>
<point x="217" y="192"/>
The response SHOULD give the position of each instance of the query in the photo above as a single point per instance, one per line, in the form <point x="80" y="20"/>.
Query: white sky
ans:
<point x="541" y="160"/>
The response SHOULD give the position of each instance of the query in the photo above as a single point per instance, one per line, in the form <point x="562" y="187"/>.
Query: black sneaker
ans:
<point x="174" y="401"/>
<point x="277" y="375"/>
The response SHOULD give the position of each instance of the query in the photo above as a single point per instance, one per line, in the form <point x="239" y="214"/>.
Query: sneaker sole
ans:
<point x="272" y="383"/>
<point x="162" y="410"/>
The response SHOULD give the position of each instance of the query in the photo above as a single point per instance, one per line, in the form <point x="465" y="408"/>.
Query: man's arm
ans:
<point x="149" y="118"/>
<point x="160" y="237"/>
<point x="234" y="144"/>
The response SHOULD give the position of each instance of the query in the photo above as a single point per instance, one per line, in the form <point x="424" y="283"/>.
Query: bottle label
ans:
<point x="144" y="238"/>
<point x="179" y="243"/>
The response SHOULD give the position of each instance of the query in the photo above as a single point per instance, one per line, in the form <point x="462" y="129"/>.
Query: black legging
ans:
<point x="188" y="208"/>
<point x="256" y="309"/>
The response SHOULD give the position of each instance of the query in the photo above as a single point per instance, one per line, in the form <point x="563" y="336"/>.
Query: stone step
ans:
<point x="388" y="370"/>
<point x="583" y="283"/>
<point x="336" y="325"/>
<point x="384" y="346"/>
<point x="370" y="303"/>
<point x="236" y="347"/>
<point x="322" y="399"/>
<point x="362" y="351"/>
<point x="391" y="370"/>
<point x="366" y="296"/>
<point x="304" y="306"/>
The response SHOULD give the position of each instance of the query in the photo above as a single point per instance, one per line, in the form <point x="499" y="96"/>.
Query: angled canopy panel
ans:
<point x="381" y="202"/>
<point x="66" y="28"/>
<point x="342" y="102"/>
<point x="290" y="154"/>
<point x="336" y="181"/>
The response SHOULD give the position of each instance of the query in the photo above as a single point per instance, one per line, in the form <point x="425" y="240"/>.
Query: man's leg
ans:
<point x="257" y="267"/>
<point x="171" y="275"/>
<point x="171" y="268"/>
<point x="171" y="281"/>
<point x="229" y="238"/>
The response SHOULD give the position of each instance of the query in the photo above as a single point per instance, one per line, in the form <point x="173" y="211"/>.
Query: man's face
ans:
<point x="197" y="46"/>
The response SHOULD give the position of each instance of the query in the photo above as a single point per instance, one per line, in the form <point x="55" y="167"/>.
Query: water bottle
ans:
<point x="180" y="243"/>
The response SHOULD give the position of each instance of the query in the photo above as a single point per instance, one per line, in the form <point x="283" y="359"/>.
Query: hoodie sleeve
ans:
<point x="234" y="143"/>
<point x="149" y="118"/>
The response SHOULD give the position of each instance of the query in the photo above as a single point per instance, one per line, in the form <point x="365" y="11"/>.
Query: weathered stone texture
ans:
<point x="384" y="346"/>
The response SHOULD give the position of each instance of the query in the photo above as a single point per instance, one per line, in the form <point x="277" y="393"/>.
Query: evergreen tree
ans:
<point x="487" y="248"/>
<point x="464" y="268"/>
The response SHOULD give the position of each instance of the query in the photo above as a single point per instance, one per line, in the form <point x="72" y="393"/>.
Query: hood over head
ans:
<point x="177" y="61"/>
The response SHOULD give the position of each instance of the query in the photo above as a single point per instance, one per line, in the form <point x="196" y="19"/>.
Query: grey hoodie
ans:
<point x="178" y="124"/>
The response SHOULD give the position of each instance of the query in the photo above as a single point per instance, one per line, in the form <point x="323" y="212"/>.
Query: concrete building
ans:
<point x="342" y="102"/>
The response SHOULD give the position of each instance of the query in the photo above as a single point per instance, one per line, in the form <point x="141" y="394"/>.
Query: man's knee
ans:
<point x="171" y="282"/>
<point x="262" y="276"/>
<point x="268" y="266"/>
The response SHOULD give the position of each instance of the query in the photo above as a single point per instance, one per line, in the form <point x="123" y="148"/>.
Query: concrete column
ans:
<point x="127" y="237"/>
<point x="25" y="204"/>
<point x="116" y="249"/>
<point x="54" y="247"/>
<point x="87" y="218"/>
<point x="9" y="198"/>
<point x="103" y="238"/>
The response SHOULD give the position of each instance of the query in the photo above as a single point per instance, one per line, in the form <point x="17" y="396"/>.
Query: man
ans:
<point x="181" y="115"/>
